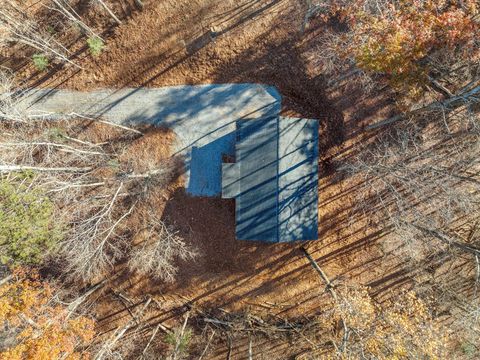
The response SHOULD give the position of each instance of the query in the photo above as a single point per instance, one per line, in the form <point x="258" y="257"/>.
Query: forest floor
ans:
<point x="170" y="43"/>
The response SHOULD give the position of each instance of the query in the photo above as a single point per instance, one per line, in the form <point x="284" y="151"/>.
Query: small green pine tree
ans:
<point x="40" y="61"/>
<point x="27" y="228"/>
<point x="96" y="45"/>
<point x="179" y="341"/>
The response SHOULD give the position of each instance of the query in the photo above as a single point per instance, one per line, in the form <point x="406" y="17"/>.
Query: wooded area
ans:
<point x="103" y="255"/>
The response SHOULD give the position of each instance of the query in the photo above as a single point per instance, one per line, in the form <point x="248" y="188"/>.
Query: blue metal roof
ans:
<point x="274" y="179"/>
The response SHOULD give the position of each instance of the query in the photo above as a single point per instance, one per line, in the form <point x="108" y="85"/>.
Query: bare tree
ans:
<point x="64" y="7"/>
<point x="420" y="183"/>
<point x="95" y="193"/>
<point x="421" y="177"/>
<point x="110" y="12"/>
<point x="8" y="108"/>
<point x="156" y="256"/>
<point x="93" y="245"/>
<point x="16" y="26"/>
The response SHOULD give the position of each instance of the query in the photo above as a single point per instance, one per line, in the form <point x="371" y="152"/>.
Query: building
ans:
<point x="274" y="179"/>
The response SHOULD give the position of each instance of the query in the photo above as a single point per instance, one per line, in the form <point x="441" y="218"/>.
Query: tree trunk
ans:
<point x="110" y="12"/>
<point x="450" y="104"/>
<point x="13" y="168"/>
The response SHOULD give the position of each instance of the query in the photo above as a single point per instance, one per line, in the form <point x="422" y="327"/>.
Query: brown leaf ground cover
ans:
<point x="210" y="41"/>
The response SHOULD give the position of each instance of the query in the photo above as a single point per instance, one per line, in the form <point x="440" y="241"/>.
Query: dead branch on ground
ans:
<point x="334" y="295"/>
<point x="109" y="345"/>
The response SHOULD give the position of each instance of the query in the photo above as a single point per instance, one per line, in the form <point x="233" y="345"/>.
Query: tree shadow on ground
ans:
<point x="234" y="273"/>
<point x="230" y="272"/>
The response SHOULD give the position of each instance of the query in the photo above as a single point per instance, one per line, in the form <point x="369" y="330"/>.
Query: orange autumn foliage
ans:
<point x="399" y="329"/>
<point x="43" y="329"/>
<point x="396" y="40"/>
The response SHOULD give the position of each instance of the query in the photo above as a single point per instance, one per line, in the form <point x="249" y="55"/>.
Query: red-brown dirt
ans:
<point x="260" y="42"/>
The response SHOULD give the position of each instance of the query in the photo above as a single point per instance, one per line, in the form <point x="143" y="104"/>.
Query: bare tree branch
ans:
<point x="12" y="168"/>
<point x="463" y="98"/>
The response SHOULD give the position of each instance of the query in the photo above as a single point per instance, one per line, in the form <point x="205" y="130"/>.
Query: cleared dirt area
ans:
<point x="197" y="42"/>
